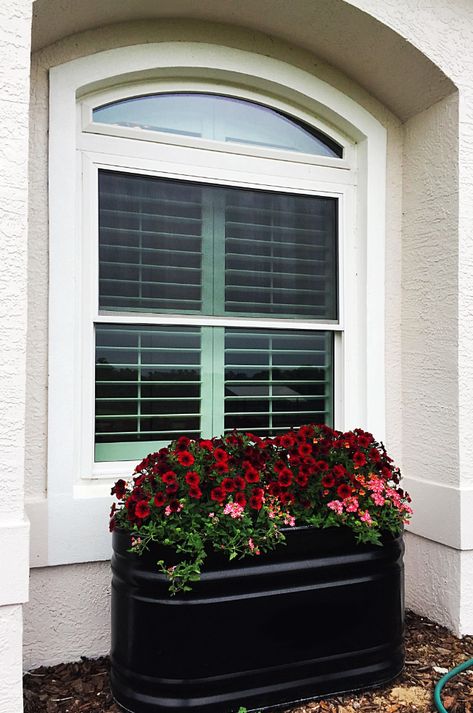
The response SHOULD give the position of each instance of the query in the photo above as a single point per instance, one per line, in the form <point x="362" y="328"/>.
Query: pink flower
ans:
<point x="336" y="506"/>
<point x="252" y="546"/>
<point x="366" y="517"/>
<point x="234" y="510"/>
<point x="289" y="520"/>
<point x="351" y="504"/>
<point x="376" y="485"/>
<point x="377" y="499"/>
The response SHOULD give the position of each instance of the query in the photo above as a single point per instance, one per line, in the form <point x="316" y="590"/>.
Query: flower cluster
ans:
<point x="238" y="493"/>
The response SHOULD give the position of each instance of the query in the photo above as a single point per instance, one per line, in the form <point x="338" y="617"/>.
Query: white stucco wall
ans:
<point x="428" y="381"/>
<point x="15" y="18"/>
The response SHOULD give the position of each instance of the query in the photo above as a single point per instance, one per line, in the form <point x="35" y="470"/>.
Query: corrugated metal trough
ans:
<point x="319" y="616"/>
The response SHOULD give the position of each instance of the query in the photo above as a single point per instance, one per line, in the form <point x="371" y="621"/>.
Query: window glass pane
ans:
<point x="280" y="254"/>
<point x="148" y="388"/>
<point x="175" y="246"/>
<point x="221" y="118"/>
<point x="277" y="379"/>
<point x="150" y="244"/>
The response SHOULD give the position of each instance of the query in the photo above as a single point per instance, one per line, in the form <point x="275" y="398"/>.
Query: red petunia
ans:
<point x="344" y="491"/>
<point x="375" y="455"/>
<point x="322" y="465"/>
<point x="192" y="478"/>
<point x="274" y="488"/>
<point x="251" y="475"/>
<point x="328" y="481"/>
<point x="256" y="503"/>
<point x="119" y="489"/>
<point x="228" y="484"/>
<point x="240" y="499"/>
<point x="304" y="449"/>
<point x="287" y="440"/>
<point x="285" y="478"/>
<point x="359" y="459"/>
<point x="169" y="477"/>
<point x="218" y="494"/>
<point x="258" y="493"/>
<point x="195" y="492"/>
<point x="182" y="443"/>
<point x="240" y="483"/>
<point x="286" y="498"/>
<point x="172" y="488"/>
<point x="159" y="499"/>
<point x="220" y="454"/>
<point x="185" y="458"/>
<point x="206" y="445"/>
<point x="364" y="440"/>
<point x="279" y="465"/>
<point x="339" y="471"/>
<point x="142" y="509"/>
<point x="302" y="479"/>
<point x="222" y="466"/>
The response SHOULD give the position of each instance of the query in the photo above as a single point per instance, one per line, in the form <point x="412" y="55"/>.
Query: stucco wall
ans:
<point x="422" y="368"/>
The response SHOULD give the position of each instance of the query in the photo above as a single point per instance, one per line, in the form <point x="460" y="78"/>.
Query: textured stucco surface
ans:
<point x="11" y="667"/>
<point x="68" y="615"/>
<point x="15" y="18"/>
<point x="432" y="575"/>
<point x="429" y="340"/>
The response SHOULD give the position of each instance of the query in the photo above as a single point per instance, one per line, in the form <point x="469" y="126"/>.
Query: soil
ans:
<point x="431" y="650"/>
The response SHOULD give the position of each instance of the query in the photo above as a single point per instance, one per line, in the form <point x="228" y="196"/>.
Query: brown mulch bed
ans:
<point x="430" y="650"/>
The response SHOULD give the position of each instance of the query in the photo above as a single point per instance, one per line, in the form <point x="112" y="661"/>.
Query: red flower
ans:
<point x="206" y="445"/>
<point x="185" y="458"/>
<point x="142" y="509"/>
<point x="195" y="492"/>
<point x="274" y="489"/>
<point x="172" y="488"/>
<point x="169" y="477"/>
<point x="240" y="483"/>
<point x="344" y="491"/>
<point x="359" y="459"/>
<point x="364" y="440"/>
<point x="182" y="443"/>
<point x="285" y="478"/>
<point x="338" y="471"/>
<point x="256" y="503"/>
<point x="220" y="454"/>
<point x="287" y="440"/>
<point x="192" y="478"/>
<point x="286" y="498"/>
<point x="258" y="493"/>
<point x="251" y="475"/>
<point x="119" y="489"/>
<point x="375" y="455"/>
<point x="159" y="499"/>
<point x="174" y="505"/>
<point x="328" y="481"/>
<point x="218" y="494"/>
<point x="228" y="484"/>
<point x="279" y="465"/>
<point x="304" y="449"/>
<point x="240" y="499"/>
<point x="222" y="466"/>
<point x="302" y="479"/>
<point x="322" y="465"/>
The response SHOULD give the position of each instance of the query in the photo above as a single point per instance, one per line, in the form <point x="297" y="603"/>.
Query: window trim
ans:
<point x="77" y="509"/>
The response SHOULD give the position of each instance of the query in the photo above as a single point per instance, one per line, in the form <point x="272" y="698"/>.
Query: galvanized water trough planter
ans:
<point x="319" y="616"/>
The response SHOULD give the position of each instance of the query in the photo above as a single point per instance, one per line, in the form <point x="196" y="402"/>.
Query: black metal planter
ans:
<point x="318" y="616"/>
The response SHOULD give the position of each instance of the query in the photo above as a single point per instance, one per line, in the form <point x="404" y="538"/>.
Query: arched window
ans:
<point x="215" y="283"/>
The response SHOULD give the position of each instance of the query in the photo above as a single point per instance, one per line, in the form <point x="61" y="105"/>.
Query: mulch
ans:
<point x="431" y="650"/>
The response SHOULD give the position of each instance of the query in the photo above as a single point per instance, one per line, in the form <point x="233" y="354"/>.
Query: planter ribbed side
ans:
<point x="319" y="616"/>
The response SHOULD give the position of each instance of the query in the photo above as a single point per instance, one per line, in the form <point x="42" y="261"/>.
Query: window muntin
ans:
<point x="217" y="117"/>
<point x="177" y="246"/>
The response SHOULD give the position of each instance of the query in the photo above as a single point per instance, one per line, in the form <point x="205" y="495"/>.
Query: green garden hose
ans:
<point x="438" y="688"/>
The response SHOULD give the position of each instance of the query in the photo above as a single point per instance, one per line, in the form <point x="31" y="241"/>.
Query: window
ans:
<point x="243" y="333"/>
<point x="213" y="297"/>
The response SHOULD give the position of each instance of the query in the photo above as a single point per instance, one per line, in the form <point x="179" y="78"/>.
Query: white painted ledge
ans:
<point x="442" y="513"/>
<point x="14" y="561"/>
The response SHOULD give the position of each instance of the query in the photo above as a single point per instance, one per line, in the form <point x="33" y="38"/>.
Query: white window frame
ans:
<point x="77" y="490"/>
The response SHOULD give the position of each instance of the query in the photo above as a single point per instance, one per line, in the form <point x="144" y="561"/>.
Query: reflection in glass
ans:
<point x="220" y="118"/>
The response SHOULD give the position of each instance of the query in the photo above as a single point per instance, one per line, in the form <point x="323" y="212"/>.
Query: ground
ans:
<point x="430" y="651"/>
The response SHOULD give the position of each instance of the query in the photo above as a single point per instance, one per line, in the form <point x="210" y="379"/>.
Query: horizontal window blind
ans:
<point x="170" y="246"/>
<point x="150" y="244"/>
<point x="280" y="255"/>
<point x="148" y="388"/>
<point x="277" y="379"/>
